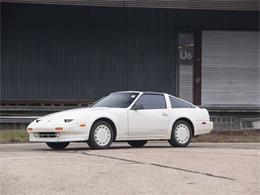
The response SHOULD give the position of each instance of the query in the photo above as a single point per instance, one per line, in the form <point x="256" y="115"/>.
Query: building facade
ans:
<point x="77" y="51"/>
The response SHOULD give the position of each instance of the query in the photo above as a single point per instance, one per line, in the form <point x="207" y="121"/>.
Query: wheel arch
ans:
<point x="110" y="122"/>
<point x="188" y="121"/>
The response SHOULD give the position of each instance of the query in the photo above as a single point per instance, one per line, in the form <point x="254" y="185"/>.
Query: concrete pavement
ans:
<point x="157" y="168"/>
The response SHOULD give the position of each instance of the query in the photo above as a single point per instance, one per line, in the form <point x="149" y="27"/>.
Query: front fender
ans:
<point x="119" y="123"/>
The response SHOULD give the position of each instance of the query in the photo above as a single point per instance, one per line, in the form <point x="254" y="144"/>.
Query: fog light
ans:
<point x="36" y="135"/>
<point x="57" y="134"/>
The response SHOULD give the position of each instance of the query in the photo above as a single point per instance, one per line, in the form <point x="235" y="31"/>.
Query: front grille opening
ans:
<point x="46" y="135"/>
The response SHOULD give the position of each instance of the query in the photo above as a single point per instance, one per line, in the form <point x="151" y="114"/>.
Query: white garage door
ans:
<point x="230" y="68"/>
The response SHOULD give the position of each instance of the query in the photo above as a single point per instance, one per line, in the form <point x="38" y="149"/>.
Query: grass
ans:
<point x="20" y="136"/>
<point x="13" y="136"/>
<point x="230" y="136"/>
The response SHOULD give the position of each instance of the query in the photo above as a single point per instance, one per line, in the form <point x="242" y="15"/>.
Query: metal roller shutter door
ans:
<point x="230" y="68"/>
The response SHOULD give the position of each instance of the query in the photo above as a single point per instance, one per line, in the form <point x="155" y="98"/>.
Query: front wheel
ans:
<point x="57" y="145"/>
<point x="137" y="143"/>
<point x="101" y="135"/>
<point x="181" y="134"/>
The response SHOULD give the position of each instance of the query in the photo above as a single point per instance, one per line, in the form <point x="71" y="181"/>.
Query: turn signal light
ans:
<point x="82" y="125"/>
<point x="29" y="129"/>
<point x="58" y="128"/>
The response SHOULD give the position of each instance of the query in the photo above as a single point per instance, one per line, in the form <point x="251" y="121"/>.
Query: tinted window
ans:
<point x="176" y="103"/>
<point x="152" y="101"/>
<point x="116" y="100"/>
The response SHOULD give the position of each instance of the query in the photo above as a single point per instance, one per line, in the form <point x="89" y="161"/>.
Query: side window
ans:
<point x="176" y="103"/>
<point x="152" y="101"/>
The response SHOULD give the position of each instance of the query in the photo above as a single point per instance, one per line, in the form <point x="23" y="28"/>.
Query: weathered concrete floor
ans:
<point x="201" y="168"/>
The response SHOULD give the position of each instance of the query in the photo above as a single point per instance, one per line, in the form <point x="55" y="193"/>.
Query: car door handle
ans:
<point x="164" y="114"/>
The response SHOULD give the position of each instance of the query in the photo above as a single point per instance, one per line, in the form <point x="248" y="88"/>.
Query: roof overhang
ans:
<point x="242" y="5"/>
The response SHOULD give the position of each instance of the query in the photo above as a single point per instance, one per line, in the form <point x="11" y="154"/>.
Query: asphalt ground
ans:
<point x="157" y="168"/>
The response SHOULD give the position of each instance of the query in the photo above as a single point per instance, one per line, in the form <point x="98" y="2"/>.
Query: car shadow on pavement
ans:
<point x="111" y="148"/>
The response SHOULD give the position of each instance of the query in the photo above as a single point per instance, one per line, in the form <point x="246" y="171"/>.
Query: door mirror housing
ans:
<point x="138" y="107"/>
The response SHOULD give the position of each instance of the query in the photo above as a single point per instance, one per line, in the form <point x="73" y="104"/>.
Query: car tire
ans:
<point x="137" y="143"/>
<point x="57" y="145"/>
<point x="181" y="134"/>
<point x="101" y="135"/>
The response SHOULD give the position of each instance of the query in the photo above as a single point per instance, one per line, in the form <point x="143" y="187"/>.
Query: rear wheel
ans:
<point x="101" y="135"/>
<point x="181" y="134"/>
<point x="137" y="143"/>
<point x="57" y="145"/>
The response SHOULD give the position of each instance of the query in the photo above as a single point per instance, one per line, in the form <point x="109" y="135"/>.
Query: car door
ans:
<point x="151" y="116"/>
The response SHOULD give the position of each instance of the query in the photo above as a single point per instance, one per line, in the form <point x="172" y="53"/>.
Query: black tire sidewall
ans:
<point x="173" y="141"/>
<point x="91" y="141"/>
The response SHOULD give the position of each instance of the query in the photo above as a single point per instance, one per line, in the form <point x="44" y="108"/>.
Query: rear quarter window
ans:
<point x="177" y="103"/>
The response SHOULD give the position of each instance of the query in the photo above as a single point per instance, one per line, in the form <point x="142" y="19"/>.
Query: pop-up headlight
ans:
<point x="68" y="120"/>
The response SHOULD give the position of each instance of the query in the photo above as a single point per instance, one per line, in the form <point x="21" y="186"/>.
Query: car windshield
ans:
<point x="116" y="100"/>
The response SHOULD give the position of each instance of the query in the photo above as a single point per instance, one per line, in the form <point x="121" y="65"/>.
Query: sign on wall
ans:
<point x="185" y="49"/>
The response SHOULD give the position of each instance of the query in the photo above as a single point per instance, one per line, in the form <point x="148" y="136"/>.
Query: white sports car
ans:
<point x="131" y="116"/>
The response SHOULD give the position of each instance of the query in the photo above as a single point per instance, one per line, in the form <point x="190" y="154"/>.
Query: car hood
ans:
<point x="74" y="113"/>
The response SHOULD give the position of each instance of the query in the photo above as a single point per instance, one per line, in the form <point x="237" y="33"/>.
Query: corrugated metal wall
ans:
<point x="186" y="83"/>
<point x="230" y="68"/>
<point x="73" y="52"/>
<point x="56" y="52"/>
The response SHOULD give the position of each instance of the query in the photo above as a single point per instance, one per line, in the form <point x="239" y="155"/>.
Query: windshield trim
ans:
<point x="138" y="96"/>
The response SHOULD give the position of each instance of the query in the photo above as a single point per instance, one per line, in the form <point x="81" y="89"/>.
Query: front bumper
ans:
<point x="57" y="132"/>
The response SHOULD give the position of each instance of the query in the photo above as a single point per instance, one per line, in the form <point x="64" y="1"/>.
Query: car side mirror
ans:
<point x="138" y="107"/>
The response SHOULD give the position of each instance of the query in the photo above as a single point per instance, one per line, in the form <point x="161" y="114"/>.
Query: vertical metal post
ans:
<point x="197" y="67"/>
